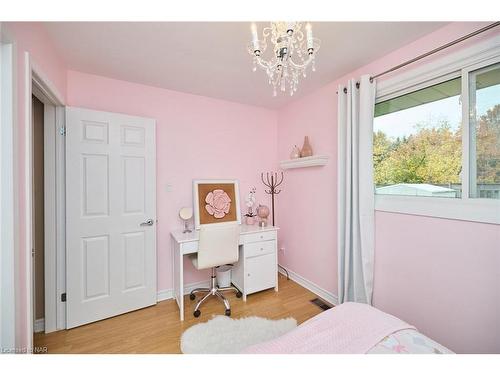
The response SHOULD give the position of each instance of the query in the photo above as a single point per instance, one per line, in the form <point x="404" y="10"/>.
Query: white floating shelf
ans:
<point x="309" y="161"/>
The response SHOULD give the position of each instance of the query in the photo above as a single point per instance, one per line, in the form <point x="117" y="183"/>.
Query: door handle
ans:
<point x="148" y="223"/>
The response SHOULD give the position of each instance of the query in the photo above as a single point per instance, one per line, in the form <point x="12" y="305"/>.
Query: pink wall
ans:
<point x="307" y="205"/>
<point x="196" y="137"/>
<point x="29" y="37"/>
<point x="445" y="282"/>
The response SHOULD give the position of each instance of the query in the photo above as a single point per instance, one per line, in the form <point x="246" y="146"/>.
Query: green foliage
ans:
<point x="434" y="153"/>
<point x="488" y="146"/>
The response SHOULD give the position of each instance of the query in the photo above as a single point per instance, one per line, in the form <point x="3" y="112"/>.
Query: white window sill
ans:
<point x="477" y="210"/>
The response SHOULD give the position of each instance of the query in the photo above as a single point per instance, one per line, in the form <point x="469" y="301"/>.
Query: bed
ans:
<point x="351" y="328"/>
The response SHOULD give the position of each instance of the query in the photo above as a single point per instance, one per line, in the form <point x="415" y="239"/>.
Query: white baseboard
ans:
<point x="320" y="292"/>
<point x="39" y="325"/>
<point x="165" y="294"/>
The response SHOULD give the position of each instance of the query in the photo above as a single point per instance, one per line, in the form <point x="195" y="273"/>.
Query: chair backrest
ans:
<point x="218" y="244"/>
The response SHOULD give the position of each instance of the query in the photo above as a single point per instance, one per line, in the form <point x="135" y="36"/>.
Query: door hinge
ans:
<point x="63" y="297"/>
<point x="62" y="130"/>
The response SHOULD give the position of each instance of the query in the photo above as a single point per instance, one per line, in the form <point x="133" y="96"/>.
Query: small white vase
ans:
<point x="295" y="154"/>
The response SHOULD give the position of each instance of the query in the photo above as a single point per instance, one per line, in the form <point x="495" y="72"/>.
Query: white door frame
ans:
<point x="36" y="83"/>
<point x="8" y="193"/>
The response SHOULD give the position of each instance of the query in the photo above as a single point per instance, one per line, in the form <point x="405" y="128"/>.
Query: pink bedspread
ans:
<point x="350" y="328"/>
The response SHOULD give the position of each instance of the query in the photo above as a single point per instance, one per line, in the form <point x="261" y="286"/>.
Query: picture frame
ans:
<point x="216" y="202"/>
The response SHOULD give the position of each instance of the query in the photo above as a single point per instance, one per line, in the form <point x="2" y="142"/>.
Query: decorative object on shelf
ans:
<point x="263" y="213"/>
<point x="250" y="202"/>
<point x="216" y="201"/>
<point x="292" y="52"/>
<point x="310" y="161"/>
<point x="249" y="220"/>
<point x="186" y="213"/>
<point x="306" y="148"/>
<point x="273" y="180"/>
<point x="295" y="154"/>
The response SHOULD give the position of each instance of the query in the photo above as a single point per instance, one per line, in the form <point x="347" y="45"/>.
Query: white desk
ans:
<point x="257" y="267"/>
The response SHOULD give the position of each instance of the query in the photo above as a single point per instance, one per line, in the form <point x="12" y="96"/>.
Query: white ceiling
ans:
<point x="210" y="58"/>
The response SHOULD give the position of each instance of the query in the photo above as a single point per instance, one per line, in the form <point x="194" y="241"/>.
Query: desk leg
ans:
<point x="178" y="277"/>
<point x="277" y="276"/>
<point x="276" y="262"/>
<point x="181" y="285"/>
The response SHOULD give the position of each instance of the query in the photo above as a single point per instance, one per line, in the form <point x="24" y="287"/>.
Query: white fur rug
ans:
<point x="223" y="335"/>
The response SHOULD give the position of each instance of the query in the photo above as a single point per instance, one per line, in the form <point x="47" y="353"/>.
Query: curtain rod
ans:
<point x="435" y="50"/>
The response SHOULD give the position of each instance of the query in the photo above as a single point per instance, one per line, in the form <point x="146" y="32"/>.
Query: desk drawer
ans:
<point x="262" y="236"/>
<point x="189" y="247"/>
<point x="259" y="248"/>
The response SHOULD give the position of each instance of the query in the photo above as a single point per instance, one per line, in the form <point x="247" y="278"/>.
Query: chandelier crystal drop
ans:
<point x="293" y="51"/>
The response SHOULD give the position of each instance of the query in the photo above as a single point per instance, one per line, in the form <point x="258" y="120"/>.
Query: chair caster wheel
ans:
<point x="197" y="313"/>
<point x="192" y="297"/>
<point x="228" y="312"/>
<point x="239" y="294"/>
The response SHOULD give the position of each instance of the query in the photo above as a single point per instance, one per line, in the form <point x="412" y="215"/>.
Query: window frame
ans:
<point x="454" y="65"/>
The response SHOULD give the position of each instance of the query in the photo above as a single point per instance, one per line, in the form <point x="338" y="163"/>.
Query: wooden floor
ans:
<point x="157" y="329"/>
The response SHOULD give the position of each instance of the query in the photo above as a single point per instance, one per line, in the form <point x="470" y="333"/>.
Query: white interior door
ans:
<point x="110" y="214"/>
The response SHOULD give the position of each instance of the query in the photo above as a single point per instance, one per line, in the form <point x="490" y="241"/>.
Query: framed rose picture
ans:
<point x="216" y="201"/>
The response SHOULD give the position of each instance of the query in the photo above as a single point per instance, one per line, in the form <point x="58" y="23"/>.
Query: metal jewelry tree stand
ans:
<point x="272" y="181"/>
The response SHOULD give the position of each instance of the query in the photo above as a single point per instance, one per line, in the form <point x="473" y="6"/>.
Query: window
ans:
<point x="484" y="129"/>
<point x="418" y="139"/>
<point x="417" y="146"/>
<point x="436" y="144"/>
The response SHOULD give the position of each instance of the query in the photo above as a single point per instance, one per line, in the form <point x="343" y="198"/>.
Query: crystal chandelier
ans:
<point x="293" y="52"/>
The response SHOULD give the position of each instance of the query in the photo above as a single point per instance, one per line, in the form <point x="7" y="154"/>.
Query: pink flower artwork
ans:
<point x="218" y="203"/>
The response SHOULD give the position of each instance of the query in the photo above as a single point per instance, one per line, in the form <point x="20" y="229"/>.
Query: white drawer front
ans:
<point x="259" y="248"/>
<point x="262" y="236"/>
<point x="260" y="273"/>
<point x="189" y="247"/>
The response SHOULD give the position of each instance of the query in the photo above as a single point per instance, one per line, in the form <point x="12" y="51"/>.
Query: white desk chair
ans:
<point x="217" y="246"/>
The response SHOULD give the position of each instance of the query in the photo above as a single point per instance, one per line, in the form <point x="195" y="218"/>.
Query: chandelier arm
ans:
<point x="266" y="31"/>
<point x="299" y="35"/>
<point x="265" y="64"/>
<point x="301" y="66"/>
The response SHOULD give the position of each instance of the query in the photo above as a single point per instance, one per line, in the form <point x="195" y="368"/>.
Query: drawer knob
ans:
<point x="248" y="274"/>
<point x="261" y="248"/>
<point x="261" y="237"/>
